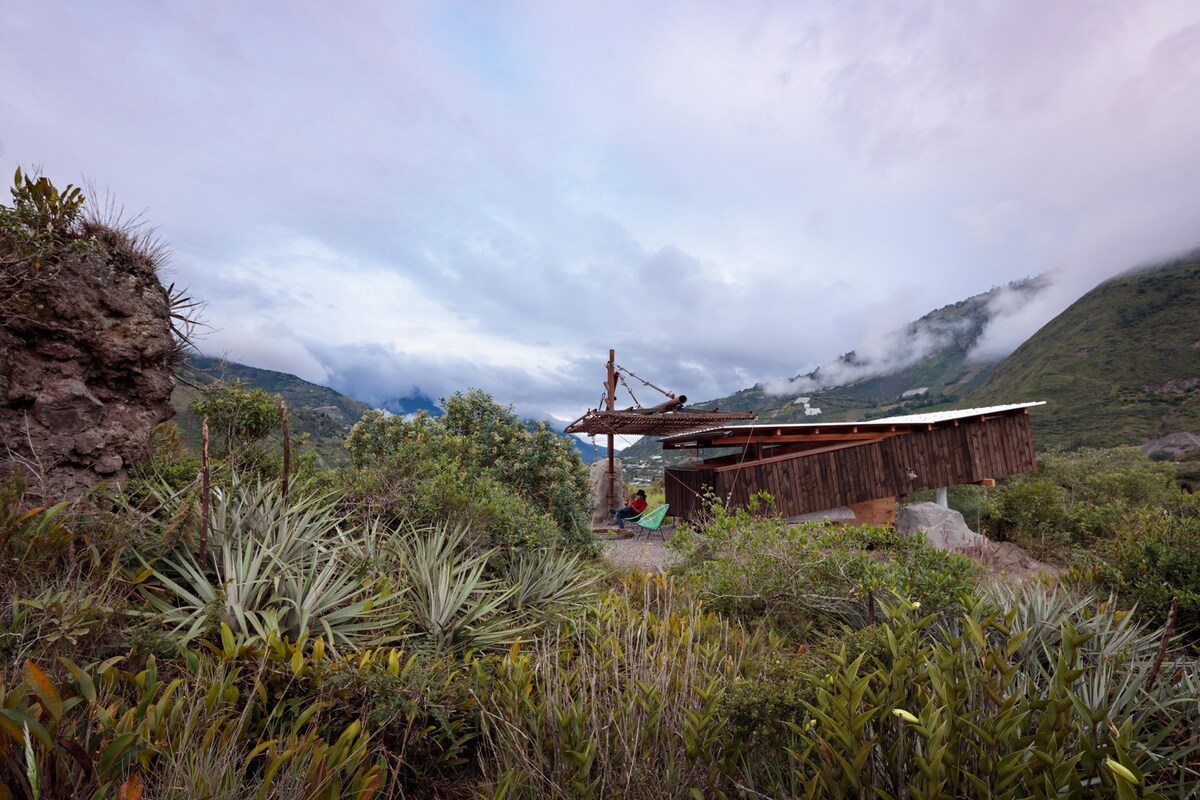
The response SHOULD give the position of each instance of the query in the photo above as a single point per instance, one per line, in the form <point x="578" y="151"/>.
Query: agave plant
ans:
<point x="545" y="580"/>
<point x="276" y="566"/>
<point x="447" y="593"/>
<point x="1121" y="657"/>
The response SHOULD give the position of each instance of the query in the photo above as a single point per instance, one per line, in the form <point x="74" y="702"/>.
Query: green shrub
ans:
<point x="478" y="465"/>
<point x="805" y="577"/>
<point x="1153" y="559"/>
<point x="237" y="415"/>
<point x="1001" y="709"/>
<point x="779" y="686"/>
<point x="419" y="706"/>
<point x="41" y="227"/>
<point x="1076" y="500"/>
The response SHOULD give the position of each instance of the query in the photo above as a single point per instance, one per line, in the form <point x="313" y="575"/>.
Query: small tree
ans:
<point x="479" y="464"/>
<point x="238" y="415"/>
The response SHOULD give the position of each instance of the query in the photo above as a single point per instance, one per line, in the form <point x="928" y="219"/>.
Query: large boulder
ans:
<point x="1174" y="445"/>
<point x="86" y="352"/>
<point x="601" y="513"/>
<point x="944" y="528"/>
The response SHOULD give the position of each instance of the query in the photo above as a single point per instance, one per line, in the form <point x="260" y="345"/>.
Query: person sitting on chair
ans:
<point x="634" y="508"/>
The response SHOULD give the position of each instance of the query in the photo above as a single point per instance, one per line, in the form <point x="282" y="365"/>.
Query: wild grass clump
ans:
<point x="622" y="702"/>
<point x="1118" y="519"/>
<point x="1076" y="500"/>
<point x="477" y="465"/>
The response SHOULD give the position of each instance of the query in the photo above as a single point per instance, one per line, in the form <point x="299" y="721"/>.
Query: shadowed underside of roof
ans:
<point x="595" y="423"/>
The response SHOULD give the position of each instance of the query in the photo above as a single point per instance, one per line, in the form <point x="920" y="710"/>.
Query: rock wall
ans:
<point x="86" y="352"/>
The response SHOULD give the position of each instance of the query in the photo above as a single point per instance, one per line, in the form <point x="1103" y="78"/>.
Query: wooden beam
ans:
<point x="787" y="456"/>
<point x="787" y="438"/>
<point x="610" y="401"/>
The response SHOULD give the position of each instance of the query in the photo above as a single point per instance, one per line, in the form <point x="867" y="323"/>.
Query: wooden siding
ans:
<point x="875" y="512"/>
<point x="964" y="452"/>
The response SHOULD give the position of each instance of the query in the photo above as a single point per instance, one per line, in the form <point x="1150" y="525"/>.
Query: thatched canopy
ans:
<point x="595" y="423"/>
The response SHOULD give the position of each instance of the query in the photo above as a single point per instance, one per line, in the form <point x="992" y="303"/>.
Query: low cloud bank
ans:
<point x="884" y="348"/>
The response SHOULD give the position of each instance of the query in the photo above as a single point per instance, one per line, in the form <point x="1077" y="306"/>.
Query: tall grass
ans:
<point x="622" y="703"/>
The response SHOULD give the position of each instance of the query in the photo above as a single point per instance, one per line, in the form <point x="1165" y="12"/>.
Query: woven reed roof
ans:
<point x="595" y="423"/>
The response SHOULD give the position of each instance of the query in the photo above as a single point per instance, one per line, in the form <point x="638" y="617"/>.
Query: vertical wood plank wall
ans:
<point x="923" y="459"/>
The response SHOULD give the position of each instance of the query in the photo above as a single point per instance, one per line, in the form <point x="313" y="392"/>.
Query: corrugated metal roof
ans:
<point x="910" y="419"/>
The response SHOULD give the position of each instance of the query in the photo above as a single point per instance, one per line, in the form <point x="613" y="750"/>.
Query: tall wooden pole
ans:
<point x="610" y="384"/>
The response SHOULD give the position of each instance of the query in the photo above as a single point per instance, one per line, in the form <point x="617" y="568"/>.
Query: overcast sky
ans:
<point x="390" y="196"/>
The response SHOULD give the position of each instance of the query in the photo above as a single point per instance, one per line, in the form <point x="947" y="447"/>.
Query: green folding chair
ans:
<point x="651" y="522"/>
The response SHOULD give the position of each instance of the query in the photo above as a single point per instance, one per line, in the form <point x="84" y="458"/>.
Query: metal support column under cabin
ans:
<point x="943" y="497"/>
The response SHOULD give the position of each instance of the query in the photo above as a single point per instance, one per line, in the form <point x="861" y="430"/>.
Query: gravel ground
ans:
<point x="643" y="553"/>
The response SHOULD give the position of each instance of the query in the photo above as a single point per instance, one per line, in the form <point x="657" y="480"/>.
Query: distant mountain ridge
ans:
<point x="929" y="366"/>
<point x="412" y="404"/>
<point x="324" y="414"/>
<point x="1121" y="365"/>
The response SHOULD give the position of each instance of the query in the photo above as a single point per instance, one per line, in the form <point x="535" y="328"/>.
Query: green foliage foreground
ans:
<point x="648" y="697"/>
<point x="641" y="691"/>
<point x="1118" y="518"/>
<point x="396" y="630"/>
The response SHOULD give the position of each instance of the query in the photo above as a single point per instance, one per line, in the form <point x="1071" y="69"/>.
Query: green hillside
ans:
<point x="1120" y="366"/>
<point x="323" y="414"/>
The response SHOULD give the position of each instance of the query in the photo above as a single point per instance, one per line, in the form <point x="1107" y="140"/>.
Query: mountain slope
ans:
<point x="325" y="415"/>
<point x="928" y="359"/>
<point x="1119" y="366"/>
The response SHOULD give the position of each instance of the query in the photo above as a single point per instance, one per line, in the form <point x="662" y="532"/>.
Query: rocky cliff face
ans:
<point x="86" y="351"/>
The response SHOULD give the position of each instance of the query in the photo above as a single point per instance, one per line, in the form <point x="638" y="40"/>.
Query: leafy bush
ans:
<point x="1153" y="559"/>
<point x="42" y="224"/>
<point x="1076" y="500"/>
<point x="99" y="731"/>
<point x="801" y="577"/>
<point x="779" y="686"/>
<point x="1000" y="709"/>
<point x="238" y="415"/>
<point x="478" y="466"/>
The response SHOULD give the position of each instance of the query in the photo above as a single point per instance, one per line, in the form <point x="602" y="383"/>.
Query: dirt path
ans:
<point x="647" y="554"/>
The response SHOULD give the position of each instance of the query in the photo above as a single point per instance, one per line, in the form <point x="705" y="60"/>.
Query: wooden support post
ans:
<point x="610" y="385"/>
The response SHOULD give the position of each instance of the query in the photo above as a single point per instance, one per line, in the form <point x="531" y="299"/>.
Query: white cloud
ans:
<point x="444" y="195"/>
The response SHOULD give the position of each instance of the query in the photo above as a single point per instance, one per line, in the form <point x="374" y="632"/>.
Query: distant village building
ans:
<point x="918" y="392"/>
<point x="809" y="411"/>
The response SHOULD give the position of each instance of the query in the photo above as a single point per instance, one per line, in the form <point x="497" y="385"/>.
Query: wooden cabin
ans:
<point x="810" y="468"/>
